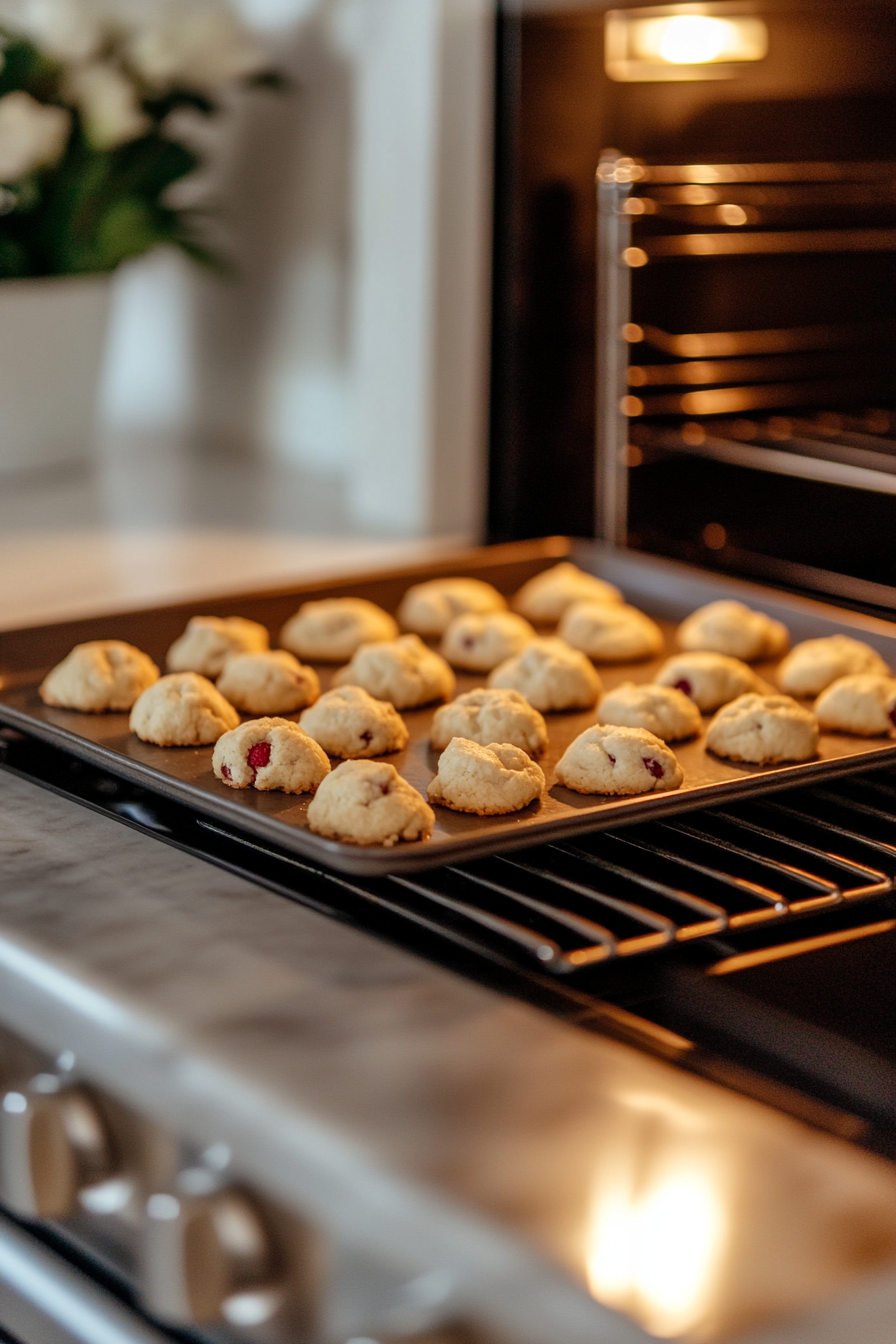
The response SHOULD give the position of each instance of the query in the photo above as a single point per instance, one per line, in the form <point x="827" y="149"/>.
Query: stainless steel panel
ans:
<point x="43" y="1300"/>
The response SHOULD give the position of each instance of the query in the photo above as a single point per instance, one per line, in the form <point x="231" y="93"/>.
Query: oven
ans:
<point x="599" y="1087"/>
<point x="702" y="364"/>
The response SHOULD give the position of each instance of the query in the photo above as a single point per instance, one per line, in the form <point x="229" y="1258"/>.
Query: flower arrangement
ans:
<point x="89" y="142"/>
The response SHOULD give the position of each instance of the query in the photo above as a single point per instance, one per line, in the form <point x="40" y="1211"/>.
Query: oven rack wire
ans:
<point x="569" y="910"/>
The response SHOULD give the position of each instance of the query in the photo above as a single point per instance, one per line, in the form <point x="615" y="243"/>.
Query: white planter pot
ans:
<point x="52" y="339"/>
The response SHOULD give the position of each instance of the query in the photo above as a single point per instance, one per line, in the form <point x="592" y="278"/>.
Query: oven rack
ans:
<point x="632" y="933"/>
<point x="569" y="910"/>
<point x="769" y="399"/>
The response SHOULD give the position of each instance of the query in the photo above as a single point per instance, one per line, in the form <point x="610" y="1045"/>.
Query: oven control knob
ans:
<point x="208" y="1258"/>
<point x="52" y="1145"/>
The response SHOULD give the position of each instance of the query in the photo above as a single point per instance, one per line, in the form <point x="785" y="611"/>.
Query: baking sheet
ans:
<point x="666" y="590"/>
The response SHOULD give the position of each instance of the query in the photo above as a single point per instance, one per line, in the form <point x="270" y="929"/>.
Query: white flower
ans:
<point x="31" y="135"/>
<point x="195" y="46"/>
<point x="67" y="30"/>
<point x="108" y="103"/>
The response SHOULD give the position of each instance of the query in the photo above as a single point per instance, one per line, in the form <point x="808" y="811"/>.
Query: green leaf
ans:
<point x="160" y="107"/>
<point x="128" y="228"/>
<point x="25" y="67"/>
<point x="14" y="261"/>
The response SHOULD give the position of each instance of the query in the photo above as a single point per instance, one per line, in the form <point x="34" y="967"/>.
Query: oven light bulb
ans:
<point x="693" y="39"/>
<point x="666" y="43"/>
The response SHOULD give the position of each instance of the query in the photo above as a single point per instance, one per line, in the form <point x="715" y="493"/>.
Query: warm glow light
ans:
<point x="677" y="1230"/>
<point x="654" y="1251"/>
<point x="673" y="42"/>
<point x="686" y="39"/>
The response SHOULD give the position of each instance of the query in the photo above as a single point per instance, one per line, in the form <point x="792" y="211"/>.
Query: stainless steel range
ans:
<point x="247" y="1097"/>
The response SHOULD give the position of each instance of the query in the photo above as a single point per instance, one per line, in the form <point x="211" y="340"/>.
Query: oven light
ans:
<point x="682" y="42"/>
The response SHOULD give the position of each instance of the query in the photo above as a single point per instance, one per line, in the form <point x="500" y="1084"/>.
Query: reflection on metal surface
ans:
<point x="707" y="1215"/>
<point x="675" y="42"/>
<point x="759" y="172"/>
<point x="658" y="1223"/>
<point x="776" y="340"/>
<point x="794" y="194"/>
<point x="782" y="463"/>
<point x="779" y="243"/>
<point x="768" y="368"/>
<point x="654" y="1254"/>
<point x="763" y="955"/>
<point x="758" y="397"/>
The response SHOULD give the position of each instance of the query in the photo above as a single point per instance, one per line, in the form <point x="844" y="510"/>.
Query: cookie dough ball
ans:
<point x="662" y="710"/>
<point x="486" y="716"/>
<point x="610" y="633"/>
<point x="332" y="630"/>
<point x="403" y="671"/>
<point x="550" y="675"/>
<point x="368" y="803"/>
<point x="429" y="608"/>
<point x="814" y="664"/>
<point x="350" y="723"/>
<point x="864" y="704"/>
<point x="612" y="760"/>
<point x="545" y="598"/>
<point x="102" y="674"/>
<point x="488" y="780"/>
<point x="270" y="754"/>
<point x="709" y="679"/>
<point x="208" y="642"/>
<point x="763" y="729"/>
<point x="730" y="627"/>
<point x="274" y="682"/>
<point x="182" y="710"/>
<point x="479" y="643"/>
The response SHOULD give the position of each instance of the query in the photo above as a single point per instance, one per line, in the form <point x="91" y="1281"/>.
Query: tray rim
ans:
<point x="375" y="861"/>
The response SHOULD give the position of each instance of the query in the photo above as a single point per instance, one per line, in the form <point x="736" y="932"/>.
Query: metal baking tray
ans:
<point x="668" y="591"/>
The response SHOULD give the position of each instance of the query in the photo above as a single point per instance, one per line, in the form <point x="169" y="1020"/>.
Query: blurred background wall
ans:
<point x="352" y="341"/>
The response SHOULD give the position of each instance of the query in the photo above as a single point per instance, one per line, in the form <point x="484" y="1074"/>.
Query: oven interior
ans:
<point x="756" y="366"/>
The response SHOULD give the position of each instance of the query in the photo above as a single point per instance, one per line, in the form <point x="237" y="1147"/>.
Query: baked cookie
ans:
<point x="429" y="608"/>
<point x="811" y="666"/>
<point x="273" y="682"/>
<point x="763" y="729"/>
<point x="545" y="598"/>
<point x="486" y="716"/>
<point x="550" y="675"/>
<point x="612" y="760"/>
<point x="208" y="642"/>
<point x="332" y="630"/>
<point x="709" y="679"/>
<point x="610" y="633"/>
<point x="403" y="671"/>
<point x="270" y="754"/>
<point x="368" y="803"/>
<point x="863" y="704"/>
<point x="730" y="627"/>
<point x="487" y="780"/>
<point x="99" y="675"/>
<point x="479" y="643"/>
<point x="348" y="722"/>
<point x="182" y="710"/>
<point x="662" y="710"/>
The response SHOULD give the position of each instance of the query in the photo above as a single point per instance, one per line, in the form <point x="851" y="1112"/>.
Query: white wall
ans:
<point x="355" y="340"/>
